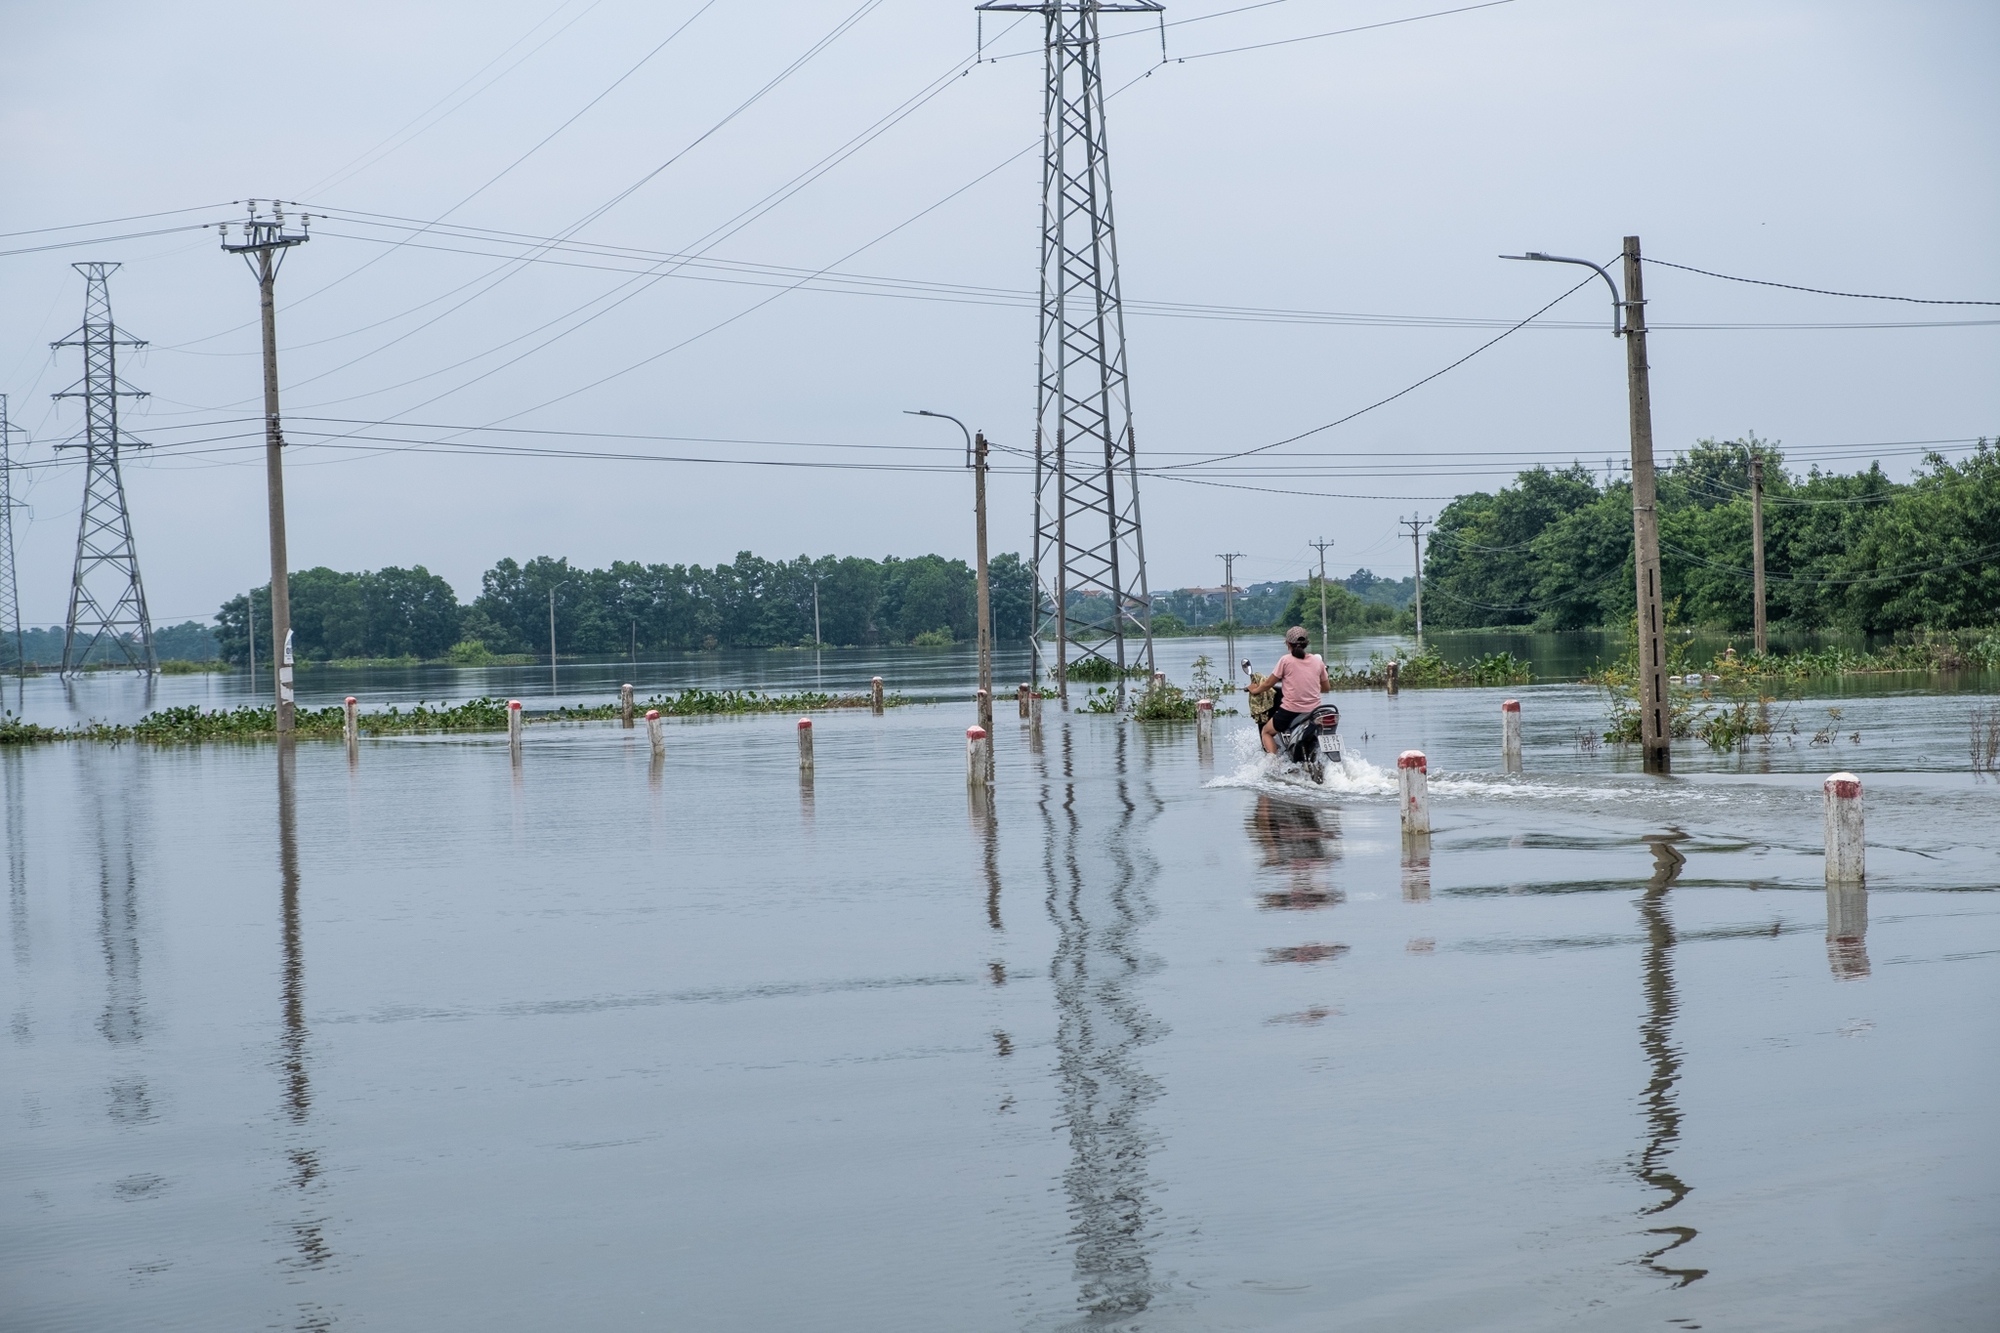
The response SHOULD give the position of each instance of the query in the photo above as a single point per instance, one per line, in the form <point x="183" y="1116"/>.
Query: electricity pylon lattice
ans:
<point x="107" y="602"/>
<point x="12" y="655"/>
<point x="1090" y="557"/>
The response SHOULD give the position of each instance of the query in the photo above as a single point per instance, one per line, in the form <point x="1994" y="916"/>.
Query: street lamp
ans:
<point x="975" y="458"/>
<point x="1628" y="320"/>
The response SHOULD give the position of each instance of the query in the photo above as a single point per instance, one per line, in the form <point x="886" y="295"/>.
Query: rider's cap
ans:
<point x="1296" y="634"/>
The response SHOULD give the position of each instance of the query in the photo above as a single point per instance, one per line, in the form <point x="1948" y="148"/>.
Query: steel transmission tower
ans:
<point x="106" y="598"/>
<point x="12" y="653"/>
<point x="1087" y="539"/>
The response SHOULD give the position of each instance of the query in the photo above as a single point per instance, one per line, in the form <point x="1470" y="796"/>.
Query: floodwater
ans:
<point x="919" y="674"/>
<point x="1151" y="1040"/>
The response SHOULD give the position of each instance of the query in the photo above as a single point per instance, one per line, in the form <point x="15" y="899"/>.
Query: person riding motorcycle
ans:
<point x="1299" y="676"/>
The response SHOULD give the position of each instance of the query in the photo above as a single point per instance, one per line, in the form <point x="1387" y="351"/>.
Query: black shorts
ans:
<point x="1283" y="721"/>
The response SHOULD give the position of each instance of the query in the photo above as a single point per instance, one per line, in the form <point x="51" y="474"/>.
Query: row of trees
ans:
<point x="188" y="641"/>
<point x="749" y="603"/>
<point x="1856" y="551"/>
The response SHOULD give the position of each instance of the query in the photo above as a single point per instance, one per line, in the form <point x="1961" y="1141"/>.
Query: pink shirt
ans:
<point x="1300" y="677"/>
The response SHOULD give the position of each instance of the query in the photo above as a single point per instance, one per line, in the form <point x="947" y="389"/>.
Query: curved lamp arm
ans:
<point x="954" y="421"/>
<point x="1617" y="302"/>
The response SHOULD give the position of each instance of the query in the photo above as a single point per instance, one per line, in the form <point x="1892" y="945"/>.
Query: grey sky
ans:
<point x="1840" y="145"/>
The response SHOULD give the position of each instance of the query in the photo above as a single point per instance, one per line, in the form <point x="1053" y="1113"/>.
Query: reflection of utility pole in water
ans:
<point x="1663" y="1115"/>
<point x="979" y="803"/>
<point x="308" y="1237"/>
<point x="17" y="881"/>
<point x="1097" y="910"/>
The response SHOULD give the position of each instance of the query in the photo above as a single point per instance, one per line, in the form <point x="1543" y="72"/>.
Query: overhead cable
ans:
<point x="1384" y="402"/>
<point x="1816" y="291"/>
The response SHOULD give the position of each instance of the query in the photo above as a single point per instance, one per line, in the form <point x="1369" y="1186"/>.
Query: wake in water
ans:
<point x="1353" y="776"/>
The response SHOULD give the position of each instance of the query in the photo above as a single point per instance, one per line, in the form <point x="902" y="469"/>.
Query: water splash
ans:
<point x="1257" y="771"/>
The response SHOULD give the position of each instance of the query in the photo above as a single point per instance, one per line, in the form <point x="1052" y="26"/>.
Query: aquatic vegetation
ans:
<point x="1101" y="668"/>
<point x="701" y="703"/>
<point x="1204" y="683"/>
<point x="1164" y="703"/>
<point x="1986" y="738"/>
<point x="14" y="731"/>
<point x="1932" y="651"/>
<point x="193" y="724"/>
<point x="1430" y="669"/>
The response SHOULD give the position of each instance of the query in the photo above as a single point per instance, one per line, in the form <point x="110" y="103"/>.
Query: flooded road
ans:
<point x="1149" y="1041"/>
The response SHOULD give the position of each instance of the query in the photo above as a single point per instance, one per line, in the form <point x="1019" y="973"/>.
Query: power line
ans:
<point x="112" y="222"/>
<point x="1342" y="32"/>
<point x="642" y="262"/>
<point x="517" y="262"/>
<point x="1816" y="291"/>
<point x="373" y="155"/>
<point x="1383" y="402"/>
<point x="101" y="240"/>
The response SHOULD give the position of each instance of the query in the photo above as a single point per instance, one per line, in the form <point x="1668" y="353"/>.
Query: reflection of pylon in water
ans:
<point x="1097" y="901"/>
<point x="107" y="602"/>
<point x="1090" y="558"/>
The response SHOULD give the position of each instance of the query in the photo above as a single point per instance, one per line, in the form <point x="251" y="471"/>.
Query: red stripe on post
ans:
<point x="1844" y="785"/>
<point x="975" y="733"/>
<point x="351" y="699"/>
<point x="1413" y="759"/>
<point x="652" y="713"/>
<point x="514" y="704"/>
<point x="805" y="724"/>
<point x="1511" y="706"/>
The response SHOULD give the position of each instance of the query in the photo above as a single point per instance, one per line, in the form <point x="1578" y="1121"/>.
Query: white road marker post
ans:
<point x="1413" y="786"/>
<point x="350" y="724"/>
<point x="656" y="733"/>
<point x="1845" y="863"/>
<point x="805" y="747"/>
<point x="1510" y="736"/>
<point x="1204" y="721"/>
<point x="976" y="756"/>
<point x="876" y="689"/>
<point x="625" y="705"/>
<point x="514" y="727"/>
<point x="1023" y="694"/>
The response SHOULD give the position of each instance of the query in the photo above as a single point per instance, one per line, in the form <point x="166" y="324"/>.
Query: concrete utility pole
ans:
<point x="1416" y="526"/>
<point x="985" y="588"/>
<point x="265" y="241"/>
<point x="552" y="635"/>
<point x="975" y="458"/>
<point x="1229" y="559"/>
<point x="1654" y="718"/>
<point x="1628" y="320"/>
<point x="1757" y="550"/>
<point x="1321" y="546"/>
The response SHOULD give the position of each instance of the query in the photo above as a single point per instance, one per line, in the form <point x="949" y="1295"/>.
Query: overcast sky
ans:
<point x="1838" y="145"/>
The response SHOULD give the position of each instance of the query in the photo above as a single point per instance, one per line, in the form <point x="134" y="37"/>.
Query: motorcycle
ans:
<point x="1314" y="741"/>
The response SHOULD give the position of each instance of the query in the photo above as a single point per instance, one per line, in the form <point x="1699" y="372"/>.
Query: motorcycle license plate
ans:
<point x="1329" y="748"/>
